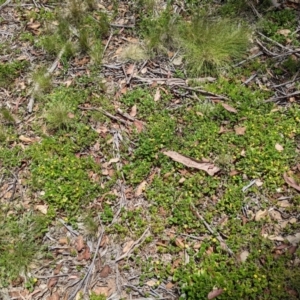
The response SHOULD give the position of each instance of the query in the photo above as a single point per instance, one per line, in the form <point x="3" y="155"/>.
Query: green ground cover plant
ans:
<point x="91" y="156"/>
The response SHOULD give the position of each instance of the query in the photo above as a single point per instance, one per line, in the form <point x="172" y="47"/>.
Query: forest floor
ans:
<point x="137" y="161"/>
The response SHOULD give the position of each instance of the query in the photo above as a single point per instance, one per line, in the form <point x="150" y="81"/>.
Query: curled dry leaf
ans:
<point x="291" y="182"/>
<point x="105" y="271"/>
<point x="157" y="95"/>
<point x="79" y="243"/>
<point x="42" y="208"/>
<point x="284" y="32"/>
<point x="128" y="246"/>
<point x="54" y="296"/>
<point x="26" y="140"/>
<point x="214" y="293"/>
<point x="179" y="243"/>
<point x="284" y="203"/>
<point x="133" y="111"/>
<point x="130" y="69"/>
<point x="260" y="215"/>
<point x="275" y="215"/>
<point x="103" y="290"/>
<point x="151" y="283"/>
<point x="210" y="168"/>
<point x="229" y="108"/>
<point x="138" y="125"/>
<point x="140" y="189"/>
<point x="113" y="160"/>
<point x="240" y="130"/>
<point x="52" y="282"/>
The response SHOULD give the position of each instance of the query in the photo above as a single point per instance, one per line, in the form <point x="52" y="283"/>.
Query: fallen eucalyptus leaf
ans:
<point x="229" y="108"/>
<point x="210" y="168"/>
<point x="291" y="182"/>
<point x="214" y="293"/>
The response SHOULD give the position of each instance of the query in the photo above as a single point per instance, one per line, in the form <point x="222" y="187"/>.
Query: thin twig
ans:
<point x="282" y="97"/>
<point x="108" y="41"/>
<point x="69" y="228"/>
<point x="121" y="26"/>
<point x="220" y="239"/>
<point x="4" y="4"/>
<point x="48" y="73"/>
<point x="85" y="279"/>
<point x="105" y="113"/>
<point x="134" y="245"/>
<point x="265" y="49"/>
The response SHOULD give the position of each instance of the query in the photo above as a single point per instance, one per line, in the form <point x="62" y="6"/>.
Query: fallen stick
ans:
<point x="219" y="238"/>
<point x="48" y="73"/>
<point x="105" y="113"/>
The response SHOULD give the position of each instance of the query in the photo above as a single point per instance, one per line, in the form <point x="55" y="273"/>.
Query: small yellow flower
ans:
<point x="255" y="276"/>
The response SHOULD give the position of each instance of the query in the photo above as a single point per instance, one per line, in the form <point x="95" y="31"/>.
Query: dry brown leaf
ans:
<point x="214" y="293"/>
<point x="177" y="61"/>
<point x="127" y="246"/>
<point x="103" y="290"/>
<point x="57" y="269"/>
<point x="79" y="243"/>
<point x="278" y="147"/>
<point x="138" y="125"/>
<point x="63" y="241"/>
<point x="157" y="95"/>
<point x="105" y="271"/>
<point x="151" y="283"/>
<point x="275" y="215"/>
<point x="229" y="108"/>
<point x="291" y="182"/>
<point x="42" y="208"/>
<point x="140" y="189"/>
<point x="113" y="160"/>
<point x="104" y="172"/>
<point x="260" y="215"/>
<point x="22" y="57"/>
<point x="233" y="173"/>
<point x="133" y="111"/>
<point x="71" y="115"/>
<point x="169" y="285"/>
<point x="67" y="83"/>
<point x="284" y="203"/>
<point x="284" y="32"/>
<point x="179" y="243"/>
<point x="240" y="130"/>
<point x="86" y="253"/>
<point x="54" y="296"/>
<point x="52" y="282"/>
<point x="130" y="69"/>
<point x="34" y="26"/>
<point x="210" y="168"/>
<point x="25" y="139"/>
